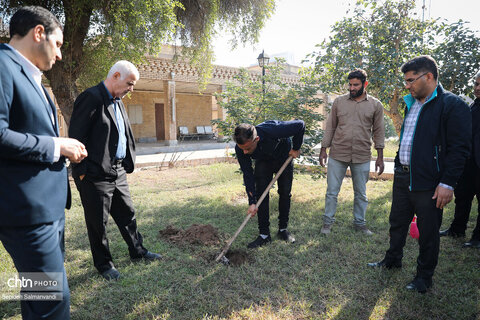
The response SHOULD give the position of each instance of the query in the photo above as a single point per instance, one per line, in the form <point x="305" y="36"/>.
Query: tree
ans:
<point x="99" y="32"/>
<point x="248" y="100"/>
<point x="379" y="36"/>
<point x="458" y="55"/>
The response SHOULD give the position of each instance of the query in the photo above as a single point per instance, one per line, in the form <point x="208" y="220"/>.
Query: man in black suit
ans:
<point x="100" y="121"/>
<point x="469" y="183"/>
<point x="34" y="187"/>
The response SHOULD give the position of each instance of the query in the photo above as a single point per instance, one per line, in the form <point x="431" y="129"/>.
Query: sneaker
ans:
<point x="259" y="242"/>
<point x="326" y="229"/>
<point x="363" y="229"/>
<point x="286" y="236"/>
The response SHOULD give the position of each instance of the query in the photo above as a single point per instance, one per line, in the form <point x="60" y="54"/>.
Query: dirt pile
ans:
<point x="202" y="234"/>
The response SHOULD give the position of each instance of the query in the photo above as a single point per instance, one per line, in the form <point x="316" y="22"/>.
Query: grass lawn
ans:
<point x="316" y="278"/>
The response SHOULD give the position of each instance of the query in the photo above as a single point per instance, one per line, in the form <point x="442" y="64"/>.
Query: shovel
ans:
<point x="221" y="257"/>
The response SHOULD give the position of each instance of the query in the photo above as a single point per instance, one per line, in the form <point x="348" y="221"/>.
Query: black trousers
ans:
<point x="405" y="204"/>
<point x="264" y="171"/>
<point x="101" y="198"/>
<point x="468" y="186"/>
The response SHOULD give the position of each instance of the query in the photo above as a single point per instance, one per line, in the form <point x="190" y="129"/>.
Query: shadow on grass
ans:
<point x="187" y="284"/>
<point x="315" y="278"/>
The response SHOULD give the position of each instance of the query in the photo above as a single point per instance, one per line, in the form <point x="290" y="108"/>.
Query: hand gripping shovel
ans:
<point x="221" y="257"/>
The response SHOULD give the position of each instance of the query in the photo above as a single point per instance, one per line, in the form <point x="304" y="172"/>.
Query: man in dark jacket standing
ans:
<point x="269" y="144"/>
<point x="100" y="121"/>
<point x="469" y="183"/>
<point x="434" y="144"/>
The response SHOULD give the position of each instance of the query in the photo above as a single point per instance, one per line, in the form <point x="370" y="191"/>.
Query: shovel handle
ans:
<point x="259" y="202"/>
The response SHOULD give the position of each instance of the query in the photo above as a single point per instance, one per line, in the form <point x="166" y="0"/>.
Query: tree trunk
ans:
<point x="64" y="73"/>
<point x="394" y="113"/>
<point x="64" y="88"/>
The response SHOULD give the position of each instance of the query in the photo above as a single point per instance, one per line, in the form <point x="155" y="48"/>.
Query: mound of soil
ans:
<point x="203" y="234"/>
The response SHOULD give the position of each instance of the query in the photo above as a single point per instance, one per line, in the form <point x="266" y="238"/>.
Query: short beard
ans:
<point x="359" y="92"/>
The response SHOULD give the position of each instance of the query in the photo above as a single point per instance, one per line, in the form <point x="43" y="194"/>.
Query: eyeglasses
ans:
<point x="410" y="81"/>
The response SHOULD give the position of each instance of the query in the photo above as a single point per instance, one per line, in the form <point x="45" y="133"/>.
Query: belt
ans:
<point x="117" y="163"/>
<point x="403" y="168"/>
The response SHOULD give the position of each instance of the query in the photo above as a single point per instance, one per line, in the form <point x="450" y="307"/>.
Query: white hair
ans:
<point x="477" y="75"/>
<point x="125" y="68"/>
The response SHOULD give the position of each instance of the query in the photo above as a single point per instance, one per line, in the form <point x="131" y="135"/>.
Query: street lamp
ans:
<point x="262" y="62"/>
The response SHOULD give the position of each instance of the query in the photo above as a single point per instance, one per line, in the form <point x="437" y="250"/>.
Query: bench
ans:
<point x="205" y="131"/>
<point x="202" y="131"/>
<point x="184" y="134"/>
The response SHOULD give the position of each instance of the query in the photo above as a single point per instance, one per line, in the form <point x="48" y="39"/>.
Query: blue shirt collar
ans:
<point x="109" y="94"/>
<point x="410" y="100"/>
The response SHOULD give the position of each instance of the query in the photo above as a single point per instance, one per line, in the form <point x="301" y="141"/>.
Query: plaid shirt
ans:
<point x="408" y="130"/>
<point x="409" y="125"/>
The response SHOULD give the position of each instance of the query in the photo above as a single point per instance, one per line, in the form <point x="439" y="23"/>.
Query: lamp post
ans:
<point x="262" y="62"/>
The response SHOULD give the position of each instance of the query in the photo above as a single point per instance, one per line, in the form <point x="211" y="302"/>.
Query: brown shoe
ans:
<point x="363" y="229"/>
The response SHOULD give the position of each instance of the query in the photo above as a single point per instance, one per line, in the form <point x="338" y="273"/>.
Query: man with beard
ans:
<point x="434" y="144"/>
<point x="469" y="182"/>
<point x="355" y="117"/>
<point x="100" y="121"/>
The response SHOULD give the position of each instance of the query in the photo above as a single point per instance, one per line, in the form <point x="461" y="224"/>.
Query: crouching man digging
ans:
<point x="270" y="143"/>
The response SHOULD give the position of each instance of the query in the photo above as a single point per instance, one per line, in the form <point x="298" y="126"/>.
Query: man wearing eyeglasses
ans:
<point x="469" y="182"/>
<point x="434" y="144"/>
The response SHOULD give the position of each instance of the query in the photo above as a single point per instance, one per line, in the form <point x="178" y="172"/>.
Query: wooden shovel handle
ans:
<point x="259" y="202"/>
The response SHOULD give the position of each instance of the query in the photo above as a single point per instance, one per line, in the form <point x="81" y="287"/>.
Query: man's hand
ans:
<point x="73" y="149"/>
<point x="443" y="196"/>
<point x="294" y="153"/>
<point x="252" y="210"/>
<point x="379" y="164"/>
<point x="323" y="157"/>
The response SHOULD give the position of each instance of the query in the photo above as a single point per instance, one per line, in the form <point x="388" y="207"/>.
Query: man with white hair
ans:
<point x="99" y="121"/>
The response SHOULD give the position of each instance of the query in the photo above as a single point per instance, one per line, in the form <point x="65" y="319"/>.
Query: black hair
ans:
<point x="421" y="64"/>
<point x="244" y="132"/>
<point x="27" y="18"/>
<point x="358" y="74"/>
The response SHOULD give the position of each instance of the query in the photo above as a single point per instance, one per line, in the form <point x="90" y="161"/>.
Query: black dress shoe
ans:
<point x="286" y="236"/>
<point x="385" y="264"/>
<point x="419" y="284"/>
<point x="259" y="242"/>
<point x="148" y="256"/>
<point x="450" y="233"/>
<point x="111" y="274"/>
<point x="472" y="244"/>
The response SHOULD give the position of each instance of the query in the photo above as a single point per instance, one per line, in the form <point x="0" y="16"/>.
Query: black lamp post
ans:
<point x="262" y="62"/>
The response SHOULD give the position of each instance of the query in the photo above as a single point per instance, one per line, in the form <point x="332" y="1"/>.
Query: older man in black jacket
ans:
<point x="100" y="121"/>
<point x="434" y="144"/>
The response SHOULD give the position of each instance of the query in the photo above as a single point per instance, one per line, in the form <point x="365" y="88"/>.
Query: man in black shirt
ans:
<point x="269" y="144"/>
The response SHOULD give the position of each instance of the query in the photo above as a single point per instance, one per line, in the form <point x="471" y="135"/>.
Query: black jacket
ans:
<point x="441" y="142"/>
<point x="475" y="110"/>
<point x="94" y="124"/>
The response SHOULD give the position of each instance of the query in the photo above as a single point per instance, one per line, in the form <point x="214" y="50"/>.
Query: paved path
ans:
<point x="201" y="152"/>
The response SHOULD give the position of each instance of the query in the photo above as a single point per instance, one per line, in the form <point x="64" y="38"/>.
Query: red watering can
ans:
<point x="414" y="229"/>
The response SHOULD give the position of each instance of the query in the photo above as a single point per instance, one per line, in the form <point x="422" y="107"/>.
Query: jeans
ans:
<point x="335" y="174"/>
